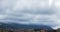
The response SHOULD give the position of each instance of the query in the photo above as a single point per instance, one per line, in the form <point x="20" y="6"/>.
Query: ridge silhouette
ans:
<point x="23" y="26"/>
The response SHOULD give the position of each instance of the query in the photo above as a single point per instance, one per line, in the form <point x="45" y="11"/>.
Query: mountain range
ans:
<point x="23" y="26"/>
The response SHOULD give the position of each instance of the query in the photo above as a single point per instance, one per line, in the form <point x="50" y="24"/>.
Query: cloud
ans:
<point x="29" y="12"/>
<point x="3" y="16"/>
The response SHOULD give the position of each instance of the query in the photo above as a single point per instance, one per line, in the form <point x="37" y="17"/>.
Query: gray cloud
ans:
<point x="26" y="12"/>
<point x="46" y="12"/>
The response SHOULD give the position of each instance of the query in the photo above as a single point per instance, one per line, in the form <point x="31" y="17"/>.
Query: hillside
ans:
<point x="20" y="26"/>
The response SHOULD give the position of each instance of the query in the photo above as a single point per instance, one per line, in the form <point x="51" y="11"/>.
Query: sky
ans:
<point x="37" y="12"/>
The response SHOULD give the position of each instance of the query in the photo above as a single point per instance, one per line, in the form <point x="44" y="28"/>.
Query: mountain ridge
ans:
<point x="20" y="26"/>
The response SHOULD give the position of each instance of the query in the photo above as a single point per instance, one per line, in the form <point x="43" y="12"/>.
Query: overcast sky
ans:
<point x="37" y="12"/>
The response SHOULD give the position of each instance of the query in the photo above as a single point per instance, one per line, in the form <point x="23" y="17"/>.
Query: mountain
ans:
<point x="20" y="26"/>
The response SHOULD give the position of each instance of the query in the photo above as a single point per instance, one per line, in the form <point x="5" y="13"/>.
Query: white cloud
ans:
<point x="57" y="3"/>
<point x="50" y="2"/>
<point x="3" y="17"/>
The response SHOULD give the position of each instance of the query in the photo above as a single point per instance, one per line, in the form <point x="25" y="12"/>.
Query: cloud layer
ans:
<point x="35" y="12"/>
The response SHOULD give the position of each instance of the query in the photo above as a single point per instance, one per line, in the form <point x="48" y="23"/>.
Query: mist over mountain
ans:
<point x="22" y="26"/>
